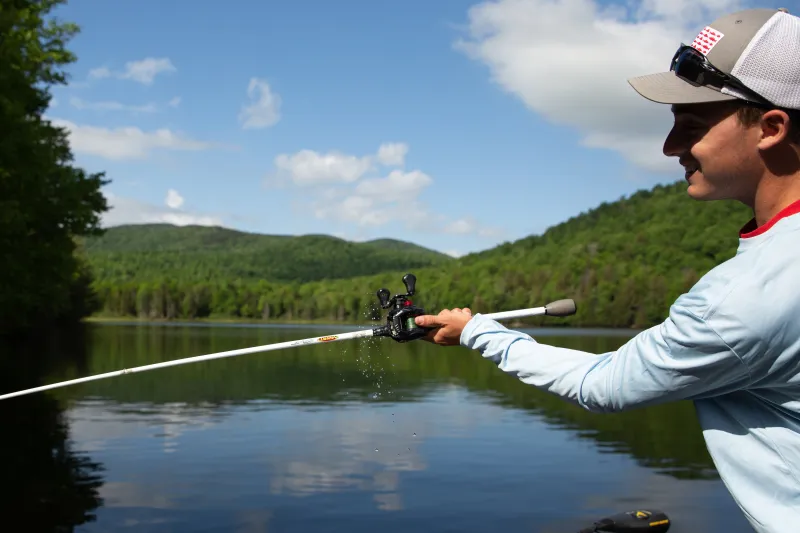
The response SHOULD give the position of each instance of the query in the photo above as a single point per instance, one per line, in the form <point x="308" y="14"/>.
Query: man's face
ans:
<point x="719" y="155"/>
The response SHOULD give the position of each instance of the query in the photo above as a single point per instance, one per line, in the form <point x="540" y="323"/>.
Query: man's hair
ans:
<point x="749" y="115"/>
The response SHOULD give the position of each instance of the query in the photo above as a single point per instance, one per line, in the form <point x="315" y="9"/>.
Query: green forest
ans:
<point x="623" y="263"/>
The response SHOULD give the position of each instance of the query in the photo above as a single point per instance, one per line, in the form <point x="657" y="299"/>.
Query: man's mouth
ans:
<point x="690" y="170"/>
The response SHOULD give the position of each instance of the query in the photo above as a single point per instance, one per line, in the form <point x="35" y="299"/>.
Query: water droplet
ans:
<point x="415" y="434"/>
<point x="376" y="449"/>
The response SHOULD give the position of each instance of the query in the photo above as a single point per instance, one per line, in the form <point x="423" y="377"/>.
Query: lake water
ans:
<point x="356" y="436"/>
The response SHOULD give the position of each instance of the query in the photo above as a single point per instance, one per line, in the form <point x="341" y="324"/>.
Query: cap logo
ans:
<point x="706" y="40"/>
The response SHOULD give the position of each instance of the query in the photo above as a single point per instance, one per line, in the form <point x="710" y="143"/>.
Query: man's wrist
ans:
<point x="469" y="328"/>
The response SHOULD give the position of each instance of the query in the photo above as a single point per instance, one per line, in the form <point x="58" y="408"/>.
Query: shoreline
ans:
<point x="553" y="330"/>
<point x="220" y="320"/>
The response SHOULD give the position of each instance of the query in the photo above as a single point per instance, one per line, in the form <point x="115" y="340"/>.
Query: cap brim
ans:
<point x="667" y="88"/>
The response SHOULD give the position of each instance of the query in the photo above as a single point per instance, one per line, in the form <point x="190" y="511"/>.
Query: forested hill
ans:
<point x="624" y="263"/>
<point x="192" y="254"/>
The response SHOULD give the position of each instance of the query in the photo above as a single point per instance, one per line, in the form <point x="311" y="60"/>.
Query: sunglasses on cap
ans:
<point x="694" y="68"/>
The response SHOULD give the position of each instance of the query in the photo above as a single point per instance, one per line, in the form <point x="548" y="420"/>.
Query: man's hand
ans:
<point x="448" y="325"/>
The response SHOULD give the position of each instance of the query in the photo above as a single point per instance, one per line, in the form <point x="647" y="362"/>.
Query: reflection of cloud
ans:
<point x="253" y="521"/>
<point x="349" y="450"/>
<point x="122" y="494"/>
<point x="366" y="450"/>
<point x="96" y="425"/>
<point x="388" y="502"/>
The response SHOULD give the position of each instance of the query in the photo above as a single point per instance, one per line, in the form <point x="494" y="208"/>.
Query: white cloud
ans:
<point x="373" y="202"/>
<point x="124" y="210"/>
<point x="461" y="226"/>
<point x="77" y="103"/>
<point x="125" y="142"/>
<point x="100" y="73"/>
<point x="308" y="167"/>
<point x="264" y="109"/>
<point x="569" y="60"/>
<point x="361" y="210"/>
<point x="151" y="107"/>
<point x="337" y="186"/>
<point x="147" y="69"/>
<point x="173" y="200"/>
<point x="392" y="154"/>
<point x="143" y="71"/>
<point x="396" y="187"/>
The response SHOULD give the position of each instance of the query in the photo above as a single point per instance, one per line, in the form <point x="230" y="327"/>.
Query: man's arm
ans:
<point x="682" y="358"/>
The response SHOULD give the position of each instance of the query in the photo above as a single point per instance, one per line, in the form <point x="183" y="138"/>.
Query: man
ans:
<point x="732" y="343"/>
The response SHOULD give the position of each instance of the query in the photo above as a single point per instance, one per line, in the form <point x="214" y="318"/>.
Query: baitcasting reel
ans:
<point x="400" y="323"/>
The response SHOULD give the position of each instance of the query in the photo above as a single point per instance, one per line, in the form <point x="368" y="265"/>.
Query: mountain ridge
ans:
<point x="139" y="252"/>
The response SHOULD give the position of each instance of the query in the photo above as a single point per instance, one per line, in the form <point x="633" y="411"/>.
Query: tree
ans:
<point x="45" y="202"/>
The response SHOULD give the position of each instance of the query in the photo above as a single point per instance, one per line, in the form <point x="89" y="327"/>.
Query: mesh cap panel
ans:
<point x="770" y="64"/>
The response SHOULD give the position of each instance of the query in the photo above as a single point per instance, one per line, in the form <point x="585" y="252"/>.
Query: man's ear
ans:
<point x="774" y="129"/>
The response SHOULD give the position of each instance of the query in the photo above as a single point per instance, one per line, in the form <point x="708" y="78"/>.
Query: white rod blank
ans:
<point x="198" y="358"/>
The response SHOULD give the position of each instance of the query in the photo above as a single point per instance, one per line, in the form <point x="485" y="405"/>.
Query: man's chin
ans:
<point x="698" y="192"/>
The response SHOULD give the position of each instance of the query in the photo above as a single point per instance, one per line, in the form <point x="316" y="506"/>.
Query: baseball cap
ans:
<point x="751" y="55"/>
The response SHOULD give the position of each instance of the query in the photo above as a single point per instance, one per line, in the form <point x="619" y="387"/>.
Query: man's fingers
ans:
<point x="427" y="321"/>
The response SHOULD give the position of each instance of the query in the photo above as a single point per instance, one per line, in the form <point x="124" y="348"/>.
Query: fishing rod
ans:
<point x="400" y="326"/>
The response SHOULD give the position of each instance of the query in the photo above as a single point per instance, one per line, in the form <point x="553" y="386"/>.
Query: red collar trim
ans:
<point x="751" y="230"/>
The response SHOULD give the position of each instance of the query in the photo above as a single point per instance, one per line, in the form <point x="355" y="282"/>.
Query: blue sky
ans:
<point x="455" y="125"/>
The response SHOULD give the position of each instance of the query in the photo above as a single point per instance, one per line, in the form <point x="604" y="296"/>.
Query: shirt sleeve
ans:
<point x="681" y="358"/>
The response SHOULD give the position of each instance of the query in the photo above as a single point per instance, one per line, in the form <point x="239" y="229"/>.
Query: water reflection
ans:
<point x="45" y="483"/>
<point x="355" y="435"/>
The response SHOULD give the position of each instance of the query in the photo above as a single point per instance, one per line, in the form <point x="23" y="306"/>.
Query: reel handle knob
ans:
<point x="410" y="281"/>
<point x="383" y="297"/>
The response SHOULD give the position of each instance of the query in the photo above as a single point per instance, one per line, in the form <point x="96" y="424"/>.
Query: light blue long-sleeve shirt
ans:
<point x="731" y="344"/>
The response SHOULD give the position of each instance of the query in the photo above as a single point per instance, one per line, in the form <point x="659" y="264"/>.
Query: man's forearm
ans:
<point x="561" y="371"/>
<point x="674" y="361"/>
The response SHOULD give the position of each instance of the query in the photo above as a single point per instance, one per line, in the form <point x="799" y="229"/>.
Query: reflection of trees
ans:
<point x="666" y="438"/>
<point x="45" y="486"/>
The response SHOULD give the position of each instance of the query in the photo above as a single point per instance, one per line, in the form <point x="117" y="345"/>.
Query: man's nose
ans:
<point x="673" y="146"/>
